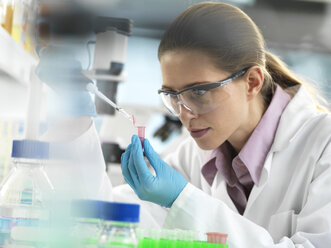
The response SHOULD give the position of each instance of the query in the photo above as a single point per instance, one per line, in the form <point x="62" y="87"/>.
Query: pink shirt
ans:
<point x="241" y="171"/>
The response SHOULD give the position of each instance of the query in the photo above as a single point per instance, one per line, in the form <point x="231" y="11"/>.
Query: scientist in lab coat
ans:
<point x="77" y="168"/>
<point x="258" y="163"/>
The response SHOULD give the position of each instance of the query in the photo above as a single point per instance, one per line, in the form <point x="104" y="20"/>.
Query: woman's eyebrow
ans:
<point x="164" y="87"/>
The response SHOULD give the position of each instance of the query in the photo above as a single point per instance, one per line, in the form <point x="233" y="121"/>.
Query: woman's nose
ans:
<point x="186" y="114"/>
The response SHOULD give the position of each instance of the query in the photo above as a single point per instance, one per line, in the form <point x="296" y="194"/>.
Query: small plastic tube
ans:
<point x="214" y="237"/>
<point x="141" y="131"/>
<point x="154" y="233"/>
<point x="141" y="135"/>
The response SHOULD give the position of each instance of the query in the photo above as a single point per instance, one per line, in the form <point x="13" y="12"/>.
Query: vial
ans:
<point x="141" y="135"/>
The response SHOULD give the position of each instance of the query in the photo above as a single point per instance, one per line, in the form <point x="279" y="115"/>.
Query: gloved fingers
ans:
<point x="130" y="182"/>
<point x="124" y="166"/>
<point x="141" y="166"/>
<point x="152" y="156"/>
<point x="132" y="167"/>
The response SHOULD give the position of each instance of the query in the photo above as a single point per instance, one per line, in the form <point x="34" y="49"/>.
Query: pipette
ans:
<point x="94" y="89"/>
<point x="141" y="129"/>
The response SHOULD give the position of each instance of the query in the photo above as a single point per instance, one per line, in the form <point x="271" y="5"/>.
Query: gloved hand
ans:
<point x="63" y="73"/>
<point x="162" y="189"/>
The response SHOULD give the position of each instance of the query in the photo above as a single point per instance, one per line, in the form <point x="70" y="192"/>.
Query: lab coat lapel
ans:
<point x="219" y="190"/>
<point x="302" y="107"/>
<point x="257" y="189"/>
<point x="218" y="187"/>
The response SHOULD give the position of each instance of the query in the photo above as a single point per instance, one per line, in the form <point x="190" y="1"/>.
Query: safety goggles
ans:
<point x="199" y="99"/>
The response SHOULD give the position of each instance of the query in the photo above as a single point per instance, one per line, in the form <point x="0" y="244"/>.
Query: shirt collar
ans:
<point x="254" y="152"/>
<point x="256" y="149"/>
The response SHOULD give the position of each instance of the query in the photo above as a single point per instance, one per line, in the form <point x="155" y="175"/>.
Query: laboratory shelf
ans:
<point x="14" y="60"/>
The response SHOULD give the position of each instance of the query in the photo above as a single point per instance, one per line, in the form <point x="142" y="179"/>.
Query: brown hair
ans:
<point x="230" y="37"/>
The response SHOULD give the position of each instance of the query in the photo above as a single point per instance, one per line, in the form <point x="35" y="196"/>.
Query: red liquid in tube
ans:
<point x="214" y="237"/>
<point x="141" y="131"/>
<point x="141" y="134"/>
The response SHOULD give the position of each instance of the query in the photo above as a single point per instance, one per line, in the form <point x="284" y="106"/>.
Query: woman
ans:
<point x="258" y="164"/>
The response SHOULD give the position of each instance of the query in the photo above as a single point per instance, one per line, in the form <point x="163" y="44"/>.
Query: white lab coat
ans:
<point x="81" y="173"/>
<point x="291" y="205"/>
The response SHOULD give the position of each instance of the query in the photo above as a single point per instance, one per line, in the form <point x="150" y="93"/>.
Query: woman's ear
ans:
<point x="254" y="81"/>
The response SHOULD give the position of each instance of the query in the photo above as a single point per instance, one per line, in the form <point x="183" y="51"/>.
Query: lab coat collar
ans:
<point x="296" y="115"/>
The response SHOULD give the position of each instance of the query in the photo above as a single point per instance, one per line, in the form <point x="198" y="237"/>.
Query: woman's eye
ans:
<point x="170" y="95"/>
<point x="199" y="92"/>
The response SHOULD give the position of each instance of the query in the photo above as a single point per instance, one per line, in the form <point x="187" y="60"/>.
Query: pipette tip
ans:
<point x="133" y="120"/>
<point x="94" y="90"/>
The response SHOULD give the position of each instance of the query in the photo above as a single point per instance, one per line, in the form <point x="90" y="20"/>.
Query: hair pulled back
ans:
<point x="233" y="42"/>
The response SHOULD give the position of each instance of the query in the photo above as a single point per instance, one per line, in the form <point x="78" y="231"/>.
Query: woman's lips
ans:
<point x="198" y="133"/>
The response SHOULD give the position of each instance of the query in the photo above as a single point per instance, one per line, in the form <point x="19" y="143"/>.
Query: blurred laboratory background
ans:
<point x="299" y="31"/>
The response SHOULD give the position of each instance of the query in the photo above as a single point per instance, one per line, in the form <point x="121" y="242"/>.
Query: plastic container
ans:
<point x="141" y="131"/>
<point x="151" y="243"/>
<point x="120" y="223"/>
<point x="214" y="237"/>
<point x="141" y="134"/>
<point x="176" y="238"/>
<point x="87" y="226"/>
<point x="25" y="196"/>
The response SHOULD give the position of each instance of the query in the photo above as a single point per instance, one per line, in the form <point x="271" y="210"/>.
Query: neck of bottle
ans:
<point x="119" y="223"/>
<point x="28" y="162"/>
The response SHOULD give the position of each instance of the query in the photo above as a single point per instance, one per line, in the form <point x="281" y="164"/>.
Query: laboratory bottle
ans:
<point x="87" y="222"/>
<point x="25" y="197"/>
<point x="120" y="223"/>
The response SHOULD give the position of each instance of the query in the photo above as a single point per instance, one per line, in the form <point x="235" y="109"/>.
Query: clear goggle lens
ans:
<point x="198" y="101"/>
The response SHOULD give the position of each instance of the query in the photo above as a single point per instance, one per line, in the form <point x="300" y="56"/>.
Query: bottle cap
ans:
<point x="87" y="208"/>
<point x="30" y="149"/>
<point x="122" y="212"/>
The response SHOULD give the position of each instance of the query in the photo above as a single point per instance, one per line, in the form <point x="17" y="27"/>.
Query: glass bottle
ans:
<point x="87" y="223"/>
<point x="120" y="223"/>
<point x="25" y="196"/>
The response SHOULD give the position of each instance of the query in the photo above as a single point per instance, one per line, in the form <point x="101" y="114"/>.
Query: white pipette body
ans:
<point x="94" y="89"/>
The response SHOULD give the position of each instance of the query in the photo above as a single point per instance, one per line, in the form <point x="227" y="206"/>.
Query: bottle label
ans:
<point x="13" y="230"/>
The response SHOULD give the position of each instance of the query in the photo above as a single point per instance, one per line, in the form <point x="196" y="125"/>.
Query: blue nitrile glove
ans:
<point x="63" y="73"/>
<point x="162" y="189"/>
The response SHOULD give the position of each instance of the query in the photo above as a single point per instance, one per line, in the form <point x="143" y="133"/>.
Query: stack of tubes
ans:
<point x="155" y="238"/>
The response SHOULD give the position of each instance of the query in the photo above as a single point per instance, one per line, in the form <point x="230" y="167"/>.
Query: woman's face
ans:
<point x="181" y="69"/>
